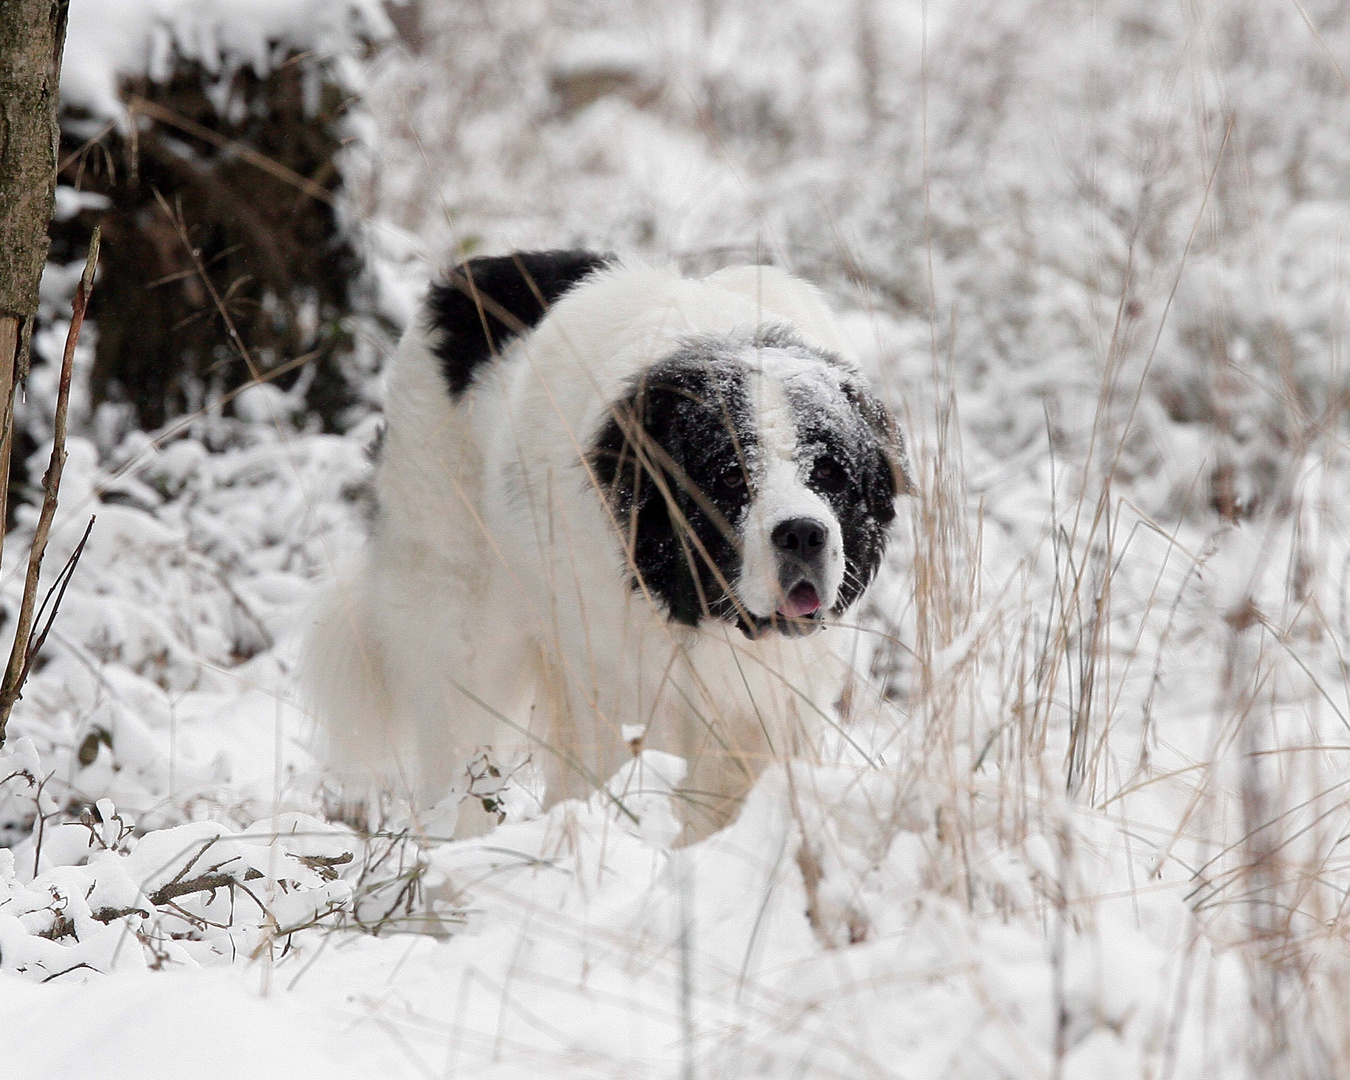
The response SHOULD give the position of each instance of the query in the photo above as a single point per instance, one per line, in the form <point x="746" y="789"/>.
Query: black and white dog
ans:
<point x="611" y="500"/>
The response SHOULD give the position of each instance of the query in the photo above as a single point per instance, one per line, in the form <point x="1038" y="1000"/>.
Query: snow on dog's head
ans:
<point x="752" y="477"/>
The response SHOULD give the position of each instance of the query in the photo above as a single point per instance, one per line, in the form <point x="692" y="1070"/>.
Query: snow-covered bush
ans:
<point x="205" y="139"/>
<point x="95" y="896"/>
<point x="179" y="622"/>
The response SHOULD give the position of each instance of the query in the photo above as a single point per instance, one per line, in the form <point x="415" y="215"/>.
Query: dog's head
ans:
<point x="751" y="479"/>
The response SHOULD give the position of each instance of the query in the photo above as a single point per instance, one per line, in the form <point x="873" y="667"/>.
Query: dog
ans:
<point x="616" y="510"/>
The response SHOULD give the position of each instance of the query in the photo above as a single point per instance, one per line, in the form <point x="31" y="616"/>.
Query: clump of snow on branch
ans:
<point x="110" y="40"/>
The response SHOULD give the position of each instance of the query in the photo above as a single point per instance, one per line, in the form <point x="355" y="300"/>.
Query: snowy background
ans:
<point x="1084" y="818"/>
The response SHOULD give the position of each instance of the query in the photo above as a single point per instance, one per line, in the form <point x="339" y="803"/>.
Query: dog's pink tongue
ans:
<point x="801" y="601"/>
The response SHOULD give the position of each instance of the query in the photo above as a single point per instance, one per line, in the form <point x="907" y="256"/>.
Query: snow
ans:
<point x="111" y="40"/>
<point x="1093" y="255"/>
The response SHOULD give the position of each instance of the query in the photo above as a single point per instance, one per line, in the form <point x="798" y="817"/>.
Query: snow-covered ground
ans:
<point x="1085" y="818"/>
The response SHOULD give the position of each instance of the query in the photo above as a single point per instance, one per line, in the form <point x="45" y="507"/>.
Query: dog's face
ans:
<point x="751" y="480"/>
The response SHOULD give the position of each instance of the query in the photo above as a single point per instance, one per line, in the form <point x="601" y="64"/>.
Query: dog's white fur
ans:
<point x="493" y="607"/>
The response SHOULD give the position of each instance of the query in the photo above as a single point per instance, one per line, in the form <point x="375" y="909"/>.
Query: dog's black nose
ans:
<point x="803" y="537"/>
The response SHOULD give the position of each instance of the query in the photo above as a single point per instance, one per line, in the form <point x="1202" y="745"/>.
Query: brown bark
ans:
<point x="32" y="35"/>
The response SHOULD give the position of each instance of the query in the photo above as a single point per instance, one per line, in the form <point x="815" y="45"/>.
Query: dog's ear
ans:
<point x="625" y="465"/>
<point x="631" y="462"/>
<point x="615" y="461"/>
<point x="888" y="474"/>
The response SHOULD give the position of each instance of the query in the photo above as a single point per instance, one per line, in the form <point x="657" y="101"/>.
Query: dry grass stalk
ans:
<point x="245" y="152"/>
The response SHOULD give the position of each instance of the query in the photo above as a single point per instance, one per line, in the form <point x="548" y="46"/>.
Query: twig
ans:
<point x="67" y="971"/>
<point x="109" y="914"/>
<point x="58" y="587"/>
<point x="208" y="882"/>
<point x="230" y="146"/>
<point x="325" y="865"/>
<point x="17" y="669"/>
<point x="41" y="823"/>
<point x="183" y="870"/>
<point x="217" y="879"/>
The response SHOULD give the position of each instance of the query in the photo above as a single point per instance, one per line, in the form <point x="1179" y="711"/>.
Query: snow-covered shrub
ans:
<point x="92" y="894"/>
<point x="180" y="619"/>
<point x="205" y="139"/>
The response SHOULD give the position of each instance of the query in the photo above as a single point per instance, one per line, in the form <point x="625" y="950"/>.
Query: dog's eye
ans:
<point x="828" y="473"/>
<point x="733" y="480"/>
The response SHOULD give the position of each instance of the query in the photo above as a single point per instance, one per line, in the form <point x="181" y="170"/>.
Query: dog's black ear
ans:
<point x="622" y="463"/>
<point x="628" y="465"/>
<point x="887" y="475"/>
<point x="485" y="302"/>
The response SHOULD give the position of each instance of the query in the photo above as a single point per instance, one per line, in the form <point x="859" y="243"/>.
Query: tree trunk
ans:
<point x="32" y="35"/>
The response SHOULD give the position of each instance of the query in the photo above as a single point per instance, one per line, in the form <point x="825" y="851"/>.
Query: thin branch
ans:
<point x="230" y="146"/>
<point x="58" y="587"/>
<point x="109" y="914"/>
<point x="208" y="882"/>
<point x="12" y="686"/>
<point x="67" y="971"/>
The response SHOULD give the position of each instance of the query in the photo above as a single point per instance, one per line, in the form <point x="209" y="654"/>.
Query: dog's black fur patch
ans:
<point x="485" y="302"/>
<point x="857" y="467"/>
<point x="675" y="459"/>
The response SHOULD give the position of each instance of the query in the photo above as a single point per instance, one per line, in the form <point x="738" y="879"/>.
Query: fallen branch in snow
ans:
<point x="108" y="914"/>
<point x="208" y="882"/>
<point x="325" y="865"/>
<point x="67" y="971"/>
<point x="21" y="653"/>
<point x="216" y="879"/>
<point x="195" y="892"/>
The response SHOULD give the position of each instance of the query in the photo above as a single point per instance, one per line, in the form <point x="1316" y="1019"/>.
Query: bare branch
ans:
<point x="58" y="587"/>
<point x="208" y="882"/>
<point x="12" y="686"/>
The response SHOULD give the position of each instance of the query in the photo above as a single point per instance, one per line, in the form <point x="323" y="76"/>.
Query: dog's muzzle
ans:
<point x="799" y="546"/>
